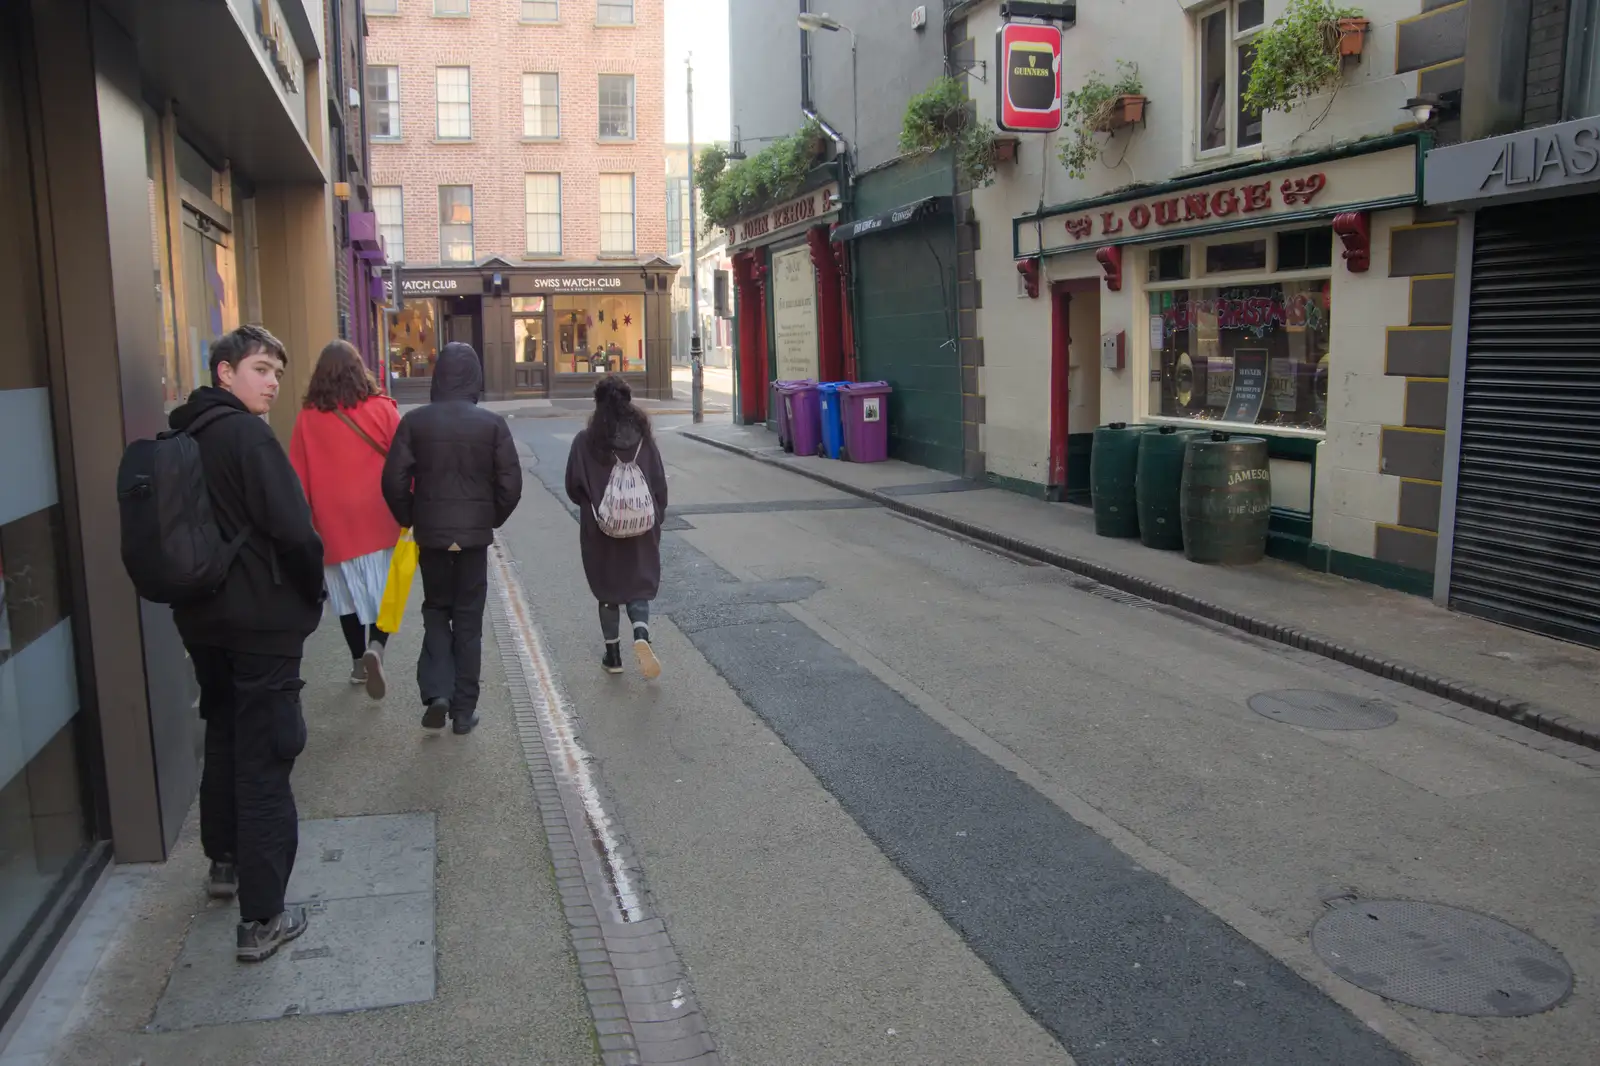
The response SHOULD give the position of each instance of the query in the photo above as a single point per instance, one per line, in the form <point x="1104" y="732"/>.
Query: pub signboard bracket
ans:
<point x="1066" y="14"/>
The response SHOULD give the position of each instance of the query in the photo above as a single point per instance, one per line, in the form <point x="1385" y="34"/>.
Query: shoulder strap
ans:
<point x="637" y="450"/>
<point x="207" y="417"/>
<point x="347" y="420"/>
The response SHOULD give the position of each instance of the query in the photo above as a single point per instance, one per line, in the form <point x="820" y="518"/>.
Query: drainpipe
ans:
<point x="805" y="66"/>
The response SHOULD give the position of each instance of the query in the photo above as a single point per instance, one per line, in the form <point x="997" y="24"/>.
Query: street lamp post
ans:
<point x="697" y="362"/>
<point x="811" y="21"/>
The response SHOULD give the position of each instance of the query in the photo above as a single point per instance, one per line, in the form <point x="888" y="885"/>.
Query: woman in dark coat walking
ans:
<point x="623" y="572"/>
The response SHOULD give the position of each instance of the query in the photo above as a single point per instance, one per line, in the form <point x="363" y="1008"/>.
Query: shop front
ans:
<point x="540" y="333"/>
<point x="142" y="215"/>
<point x="791" y="285"/>
<point x="1262" y="301"/>
<point x="1521" y="455"/>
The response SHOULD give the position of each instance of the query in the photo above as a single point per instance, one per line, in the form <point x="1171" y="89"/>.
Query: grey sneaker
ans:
<point x="259" y="941"/>
<point x="372" y="672"/>
<point x="223" y="883"/>
<point x="437" y="713"/>
<point x="358" y="672"/>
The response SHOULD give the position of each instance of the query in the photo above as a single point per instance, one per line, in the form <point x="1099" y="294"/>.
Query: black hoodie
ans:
<point x="272" y="598"/>
<point x="452" y="474"/>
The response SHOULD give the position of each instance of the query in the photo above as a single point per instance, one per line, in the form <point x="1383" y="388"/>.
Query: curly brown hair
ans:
<point x="340" y="380"/>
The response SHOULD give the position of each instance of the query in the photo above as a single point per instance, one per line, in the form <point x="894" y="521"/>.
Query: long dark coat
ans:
<point x="619" y="571"/>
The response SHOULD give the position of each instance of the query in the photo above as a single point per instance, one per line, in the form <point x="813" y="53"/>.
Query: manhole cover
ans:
<point x="1322" y="710"/>
<point x="1441" y="958"/>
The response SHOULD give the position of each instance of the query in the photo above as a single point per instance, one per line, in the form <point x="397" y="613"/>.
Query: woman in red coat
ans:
<point x="340" y="441"/>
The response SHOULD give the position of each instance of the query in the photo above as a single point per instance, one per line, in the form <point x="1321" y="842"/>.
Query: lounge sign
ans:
<point x="1532" y="161"/>
<point x="1370" y="181"/>
<point x="802" y="210"/>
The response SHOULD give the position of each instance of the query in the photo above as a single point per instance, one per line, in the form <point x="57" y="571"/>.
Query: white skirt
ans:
<point x="355" y="586"/>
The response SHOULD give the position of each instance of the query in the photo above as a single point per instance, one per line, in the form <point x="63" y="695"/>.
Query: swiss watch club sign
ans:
<point x="1028" y="89"/>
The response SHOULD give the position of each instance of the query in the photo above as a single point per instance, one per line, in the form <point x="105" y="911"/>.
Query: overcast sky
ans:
<point x="700" y="26"/>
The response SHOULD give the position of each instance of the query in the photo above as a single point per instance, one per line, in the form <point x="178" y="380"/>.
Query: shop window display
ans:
<point x="599" y="334"/>
<point x="1254" y="353"/>
<point x="414" y="340"/>
<point x="527" y="324"/>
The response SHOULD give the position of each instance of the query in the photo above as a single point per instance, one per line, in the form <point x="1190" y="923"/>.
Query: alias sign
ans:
<point x="1028" y="82"/>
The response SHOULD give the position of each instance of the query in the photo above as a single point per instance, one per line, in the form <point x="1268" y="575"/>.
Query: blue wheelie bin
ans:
<point x="832" y="418"/>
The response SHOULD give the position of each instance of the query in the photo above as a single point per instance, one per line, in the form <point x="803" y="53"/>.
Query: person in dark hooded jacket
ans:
<point x="623" y="572"/>
<point x="453" y="477"/>
<point x="246" y="641"/>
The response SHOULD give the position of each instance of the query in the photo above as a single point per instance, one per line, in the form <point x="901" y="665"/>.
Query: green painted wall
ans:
<point x="906" y="312"/>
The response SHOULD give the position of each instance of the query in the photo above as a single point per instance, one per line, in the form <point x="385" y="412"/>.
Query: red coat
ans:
<point x="343" y="477"/>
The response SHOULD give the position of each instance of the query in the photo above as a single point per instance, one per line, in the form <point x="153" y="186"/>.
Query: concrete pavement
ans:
<point x="1544" y="683"/>
<point x="507" y="984"/>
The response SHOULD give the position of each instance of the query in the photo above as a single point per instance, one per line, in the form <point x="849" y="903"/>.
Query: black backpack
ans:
<point x="171" y="544"/>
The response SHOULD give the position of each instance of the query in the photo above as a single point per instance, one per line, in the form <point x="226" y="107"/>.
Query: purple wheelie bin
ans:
<point x="780" y="410"/>
<point x="803" y="408"/>
<point x="865" y="409"/>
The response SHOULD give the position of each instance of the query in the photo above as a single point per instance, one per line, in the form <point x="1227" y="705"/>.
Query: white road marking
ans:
<point x="567" y="755"/>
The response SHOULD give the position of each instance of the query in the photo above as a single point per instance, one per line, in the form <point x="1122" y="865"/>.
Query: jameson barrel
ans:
<point x="1158" y="484"/>
<point x="1225" y="499"/>
<point x="1112" y="469"/>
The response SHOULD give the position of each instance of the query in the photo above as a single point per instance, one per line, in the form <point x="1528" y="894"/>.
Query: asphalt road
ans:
<point x="902" y="799"/>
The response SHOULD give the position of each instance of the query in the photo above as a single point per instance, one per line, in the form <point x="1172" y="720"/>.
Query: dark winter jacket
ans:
<point x="629" y="569"/>
<point x="272" y="598"/>
<point x="452" y="474"/>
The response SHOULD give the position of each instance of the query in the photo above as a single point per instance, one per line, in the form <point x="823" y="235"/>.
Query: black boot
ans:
<point x="613" y="659"/>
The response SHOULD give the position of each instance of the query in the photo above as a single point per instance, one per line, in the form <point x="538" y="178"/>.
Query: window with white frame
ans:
<point x="383" y="103"/>
<point x="544" y="214"/>
<point x="455" y="223"/>
<point x="389" y="204"/>
<point x="1240" y="328"/>
<point x="451" y="8"/>
<point x="541" y="106"/>
<point x="616" y="107"/>
<point x="453" y="98"/>
<point x="382" y="7"/>
<point x="614" y="13"/>
<point x="616" y="214"/>
<point x="1225" y="40"/>
<point x="541" y="11"/>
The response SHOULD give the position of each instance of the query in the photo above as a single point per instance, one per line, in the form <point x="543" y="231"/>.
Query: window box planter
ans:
<point x="1126" y="110"/>
<point x="1352" y="36"/>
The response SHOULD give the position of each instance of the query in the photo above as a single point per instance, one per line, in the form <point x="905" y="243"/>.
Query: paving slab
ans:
<point x="357" y="954"/>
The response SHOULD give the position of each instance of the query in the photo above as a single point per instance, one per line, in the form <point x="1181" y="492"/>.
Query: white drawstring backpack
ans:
<point x="627" y="509"/>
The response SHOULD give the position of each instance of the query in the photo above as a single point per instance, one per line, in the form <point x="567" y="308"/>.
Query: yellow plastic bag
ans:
<point x="397" y="589"/>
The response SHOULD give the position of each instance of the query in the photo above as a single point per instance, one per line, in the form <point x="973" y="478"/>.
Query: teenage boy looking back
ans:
<point x="246" y="641"/>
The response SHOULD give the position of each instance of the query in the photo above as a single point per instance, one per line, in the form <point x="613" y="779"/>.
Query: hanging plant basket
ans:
<point x="1352" y="36"/>
<point x="1005" y="149"/>
<point x="1125" y="110"/>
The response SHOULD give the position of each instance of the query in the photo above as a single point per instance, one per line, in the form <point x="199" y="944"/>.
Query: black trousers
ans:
<point x="455" y="586"/>
<point x="254" y="732"/>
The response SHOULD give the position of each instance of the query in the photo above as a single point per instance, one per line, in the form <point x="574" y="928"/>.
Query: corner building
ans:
<point x="519" y="175"/>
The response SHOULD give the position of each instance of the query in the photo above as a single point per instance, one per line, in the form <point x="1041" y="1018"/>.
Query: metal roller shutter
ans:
<point x="1527" y="533"/>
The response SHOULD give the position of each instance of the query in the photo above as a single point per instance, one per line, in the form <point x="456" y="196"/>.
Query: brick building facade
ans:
<point x="493" y="40"/>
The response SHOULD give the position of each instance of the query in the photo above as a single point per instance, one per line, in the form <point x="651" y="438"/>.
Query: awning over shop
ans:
<point x="364" y="236"/>
<point x="915" y="211"/>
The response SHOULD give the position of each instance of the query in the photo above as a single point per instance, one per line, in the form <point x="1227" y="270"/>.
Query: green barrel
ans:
<point x="1112" y="468"/>
<point x="1158" y="484"/>
<point x="1226" y="499"/>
